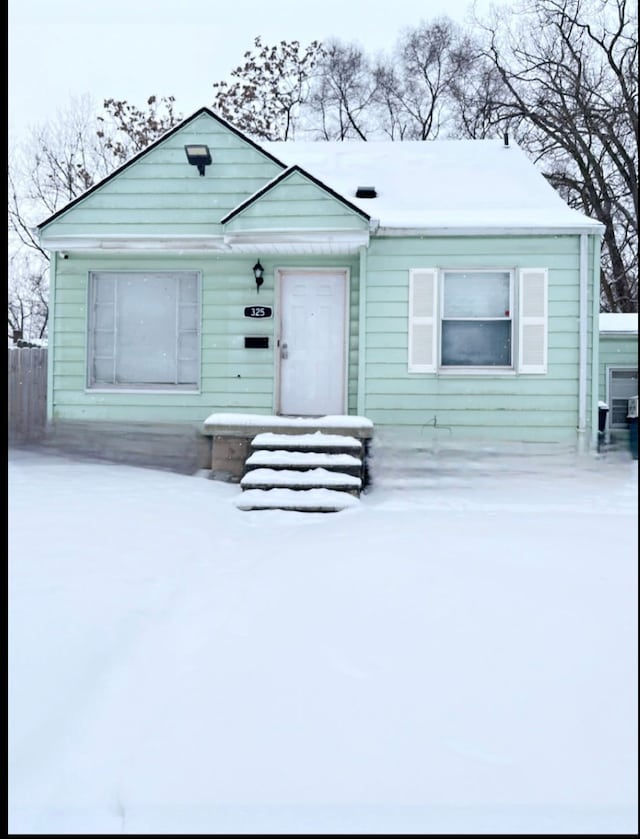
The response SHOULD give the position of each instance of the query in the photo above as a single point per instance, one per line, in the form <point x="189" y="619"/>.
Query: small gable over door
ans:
<point x="295" y="201"/>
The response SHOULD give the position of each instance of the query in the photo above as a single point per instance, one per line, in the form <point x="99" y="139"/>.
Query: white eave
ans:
<point x="489" y="230"/>
<point x="132" y="243"/>
<point x="263" y="241"/>
<point x="619" y="324"/>
<point x="294" y="241"/>
<point x="297" y="241"/>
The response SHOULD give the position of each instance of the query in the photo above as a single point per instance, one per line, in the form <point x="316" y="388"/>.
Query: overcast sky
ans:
<point x="131" y="49"/>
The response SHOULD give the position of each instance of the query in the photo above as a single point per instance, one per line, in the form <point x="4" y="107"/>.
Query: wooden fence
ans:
<point x="27" y="393"/>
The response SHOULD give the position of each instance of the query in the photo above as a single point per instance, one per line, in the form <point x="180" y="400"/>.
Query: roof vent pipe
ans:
<point x="506" y="140"/>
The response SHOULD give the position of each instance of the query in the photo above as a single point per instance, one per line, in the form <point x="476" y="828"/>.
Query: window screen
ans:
<point x="144" y="329"/>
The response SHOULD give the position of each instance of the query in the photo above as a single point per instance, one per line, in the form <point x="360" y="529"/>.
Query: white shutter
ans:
<point x="532" y="321"/>
<point x="423" y="283"/>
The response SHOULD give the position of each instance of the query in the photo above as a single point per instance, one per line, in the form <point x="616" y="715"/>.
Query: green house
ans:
<point x="437" y="289"/>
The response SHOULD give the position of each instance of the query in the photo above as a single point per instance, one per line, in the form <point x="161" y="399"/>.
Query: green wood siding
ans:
<point x="232" y="378"/>
<point x="617" y="349"/>
<point x="296" y="203"/>
<point x="510" y="406"/>
<point x="494" y="407"/>
<point x="161" y="193"/>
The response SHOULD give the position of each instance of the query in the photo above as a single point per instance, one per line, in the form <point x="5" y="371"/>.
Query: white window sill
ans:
<point x="475" y="371"/>
<point x="131" y="389"/>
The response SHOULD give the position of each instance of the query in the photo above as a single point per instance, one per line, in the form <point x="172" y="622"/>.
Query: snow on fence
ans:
<point x="27" y="393"/>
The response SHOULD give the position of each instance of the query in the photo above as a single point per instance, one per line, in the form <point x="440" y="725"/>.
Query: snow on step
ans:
<point x="309" y="460"/>
<point x="312" y="442"/>
<point x="292" y="478"/>
<point x="303" y="500"/>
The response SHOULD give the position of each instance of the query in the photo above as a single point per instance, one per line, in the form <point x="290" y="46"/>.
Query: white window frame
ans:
<point x="168" y="386"/>
<point x="528" y="308"/>
<point x="611" y="369"/>
<point x="475" y="368"/>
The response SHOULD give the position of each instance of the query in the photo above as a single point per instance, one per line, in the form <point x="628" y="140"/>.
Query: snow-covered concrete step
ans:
<point x="281" y="459"/>
<point x="297" y="479"/>
<point x="300" y="500"/>
<point x="318" y="441"/>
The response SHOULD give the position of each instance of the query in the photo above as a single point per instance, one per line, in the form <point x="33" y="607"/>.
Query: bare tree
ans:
<point x="405" y="97"/>
<point x="393" y="119"/>
<point x="126" y="129"/>
<point x="570" y="72"/>
<point x="28" y="297"/>
<point x="425" y="73"/>
<point x="475" y="93"/>
<point x="269" y="89"/>
<point x="343" y="102"/>
<point x="58" y="162"/>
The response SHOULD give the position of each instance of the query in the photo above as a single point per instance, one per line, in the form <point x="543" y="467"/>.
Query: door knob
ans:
<point x="284" y="351"/>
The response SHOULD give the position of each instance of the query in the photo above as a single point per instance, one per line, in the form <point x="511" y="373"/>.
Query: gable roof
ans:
<point x="435" y="186"/>
<point x="438" y="184"/>
<point x="278" y="179"/>
<point x="152" y="146"/>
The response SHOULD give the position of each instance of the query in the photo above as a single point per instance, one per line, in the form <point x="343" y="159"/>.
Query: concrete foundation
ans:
<point x="231" y="436"/>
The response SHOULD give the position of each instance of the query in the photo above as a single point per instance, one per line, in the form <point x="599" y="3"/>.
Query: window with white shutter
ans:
<point x="423" y="284"/>
<point x="532" y="321"/>
<point x="467" y="319"/>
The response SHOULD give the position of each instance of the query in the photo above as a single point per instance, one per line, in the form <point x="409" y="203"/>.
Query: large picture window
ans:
<point x="144" y="330"/>
<point x="478" y="320"/>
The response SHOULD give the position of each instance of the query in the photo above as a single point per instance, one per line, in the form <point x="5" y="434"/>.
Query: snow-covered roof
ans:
<point x="437" y="184"/>
<point x="619" y="322"/>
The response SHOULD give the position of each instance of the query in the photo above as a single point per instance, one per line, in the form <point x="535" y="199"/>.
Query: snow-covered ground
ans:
<point x="455" y="654"/>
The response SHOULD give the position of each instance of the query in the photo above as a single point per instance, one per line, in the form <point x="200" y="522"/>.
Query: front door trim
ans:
<point x="280" y="272"/>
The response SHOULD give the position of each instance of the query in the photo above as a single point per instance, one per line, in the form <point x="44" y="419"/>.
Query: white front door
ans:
<point x="312" y="344"/>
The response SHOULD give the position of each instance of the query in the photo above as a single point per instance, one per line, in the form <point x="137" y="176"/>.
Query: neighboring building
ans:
<point x="420" y="285"/>
<point x="618" y="380"/>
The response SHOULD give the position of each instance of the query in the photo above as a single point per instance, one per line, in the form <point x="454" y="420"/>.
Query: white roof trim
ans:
<point x="116" y="243"/>
<point x="622" y="324"/>
<point x="294" y="241"/>
<point x="498" y="230"/>
<point x="265" y="241"/>
<point x="298" y="236"/>
<point x="283" y="242"/>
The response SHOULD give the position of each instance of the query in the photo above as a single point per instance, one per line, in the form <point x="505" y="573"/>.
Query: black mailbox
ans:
<point x="252" y="342"/>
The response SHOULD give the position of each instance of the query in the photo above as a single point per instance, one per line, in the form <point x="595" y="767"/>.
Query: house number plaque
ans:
<point x="258" y="311"/>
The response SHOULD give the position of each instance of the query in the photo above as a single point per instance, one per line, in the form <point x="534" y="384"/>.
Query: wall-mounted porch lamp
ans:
<point x="258" y="273"/>
<point x="198" y="155"/>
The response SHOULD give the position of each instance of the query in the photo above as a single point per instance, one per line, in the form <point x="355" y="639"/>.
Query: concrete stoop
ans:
<point x="317" y="472"/>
